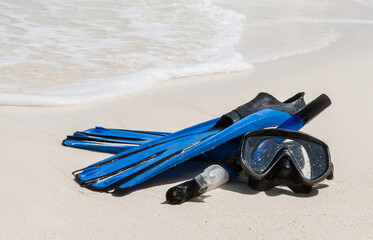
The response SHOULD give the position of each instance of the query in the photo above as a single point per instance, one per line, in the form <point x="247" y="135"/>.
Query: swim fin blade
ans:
<point x="110" y="140"/>
<point x="138" y="164"/>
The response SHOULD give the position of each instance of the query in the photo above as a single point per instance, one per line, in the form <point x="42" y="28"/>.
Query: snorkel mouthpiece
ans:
<point x="183" y="192"/>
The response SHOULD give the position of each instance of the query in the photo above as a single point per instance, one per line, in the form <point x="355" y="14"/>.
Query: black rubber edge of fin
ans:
<point x="102" y="140"/>
<point x="135" y="131"/>
<point x="296" y="97"/>
<point x="262" y="101"/>
<point x="108" y="136"/>
<point x="63" y="143"/>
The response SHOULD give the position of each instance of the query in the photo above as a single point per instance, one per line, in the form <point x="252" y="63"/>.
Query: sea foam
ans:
<point x="72" y="52"/>
<point x="57" y="53"/>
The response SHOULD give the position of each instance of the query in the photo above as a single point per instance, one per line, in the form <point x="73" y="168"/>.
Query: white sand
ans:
<point x="40" y="200"/>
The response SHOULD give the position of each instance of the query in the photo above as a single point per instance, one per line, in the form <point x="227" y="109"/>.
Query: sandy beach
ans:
<point x="40" y="200"/>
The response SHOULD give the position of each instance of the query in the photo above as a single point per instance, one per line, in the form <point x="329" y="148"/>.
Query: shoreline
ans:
<point x="41" y="200"/>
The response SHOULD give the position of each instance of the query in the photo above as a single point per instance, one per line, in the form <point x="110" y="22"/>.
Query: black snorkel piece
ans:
<point x="284" y="168"/>
<point x="307" y="113"/>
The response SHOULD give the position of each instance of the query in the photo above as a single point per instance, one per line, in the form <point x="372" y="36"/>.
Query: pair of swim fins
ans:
<point x="145" y="157"/>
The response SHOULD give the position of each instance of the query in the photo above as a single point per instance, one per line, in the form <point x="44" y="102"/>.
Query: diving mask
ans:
<point x="272" y="157"/>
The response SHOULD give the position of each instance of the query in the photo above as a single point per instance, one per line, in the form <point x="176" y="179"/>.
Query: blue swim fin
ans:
<point x="115" y="141"/>
<point x="140" y="163"/>
<point x="110" y="140"/>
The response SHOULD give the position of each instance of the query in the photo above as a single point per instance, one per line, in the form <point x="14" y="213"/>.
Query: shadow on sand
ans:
<point x="190" y="169"/>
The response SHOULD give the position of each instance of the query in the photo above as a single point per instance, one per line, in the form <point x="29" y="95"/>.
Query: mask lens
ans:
<point x="311" y="157"/>
<point x="261" y="152"/>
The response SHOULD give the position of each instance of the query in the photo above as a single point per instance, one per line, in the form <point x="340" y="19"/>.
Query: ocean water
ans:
<point x="57" y="53"/>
